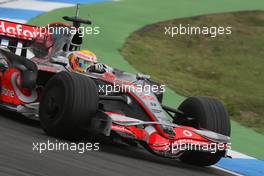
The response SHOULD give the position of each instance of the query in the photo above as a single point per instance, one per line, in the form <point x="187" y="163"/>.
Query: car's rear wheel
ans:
<point x="207" y="113"/>
<point x="68" y="103"/>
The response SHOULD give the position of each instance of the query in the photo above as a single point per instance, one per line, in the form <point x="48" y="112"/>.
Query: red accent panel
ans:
<point x="122" y="129"/>
<point x="113" y="113"/>
<point x="157" y="142"/>
<point x="8" y="93"/>
<point x="140" y="133"/>
<point x="109" y="76"/>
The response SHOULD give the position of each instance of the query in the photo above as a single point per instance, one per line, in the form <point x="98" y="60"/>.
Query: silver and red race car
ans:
<point x="37" y="80"/>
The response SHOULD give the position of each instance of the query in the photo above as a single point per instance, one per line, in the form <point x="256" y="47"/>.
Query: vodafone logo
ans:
<point x="187" y="133"/>
<point x="18" y="30"/>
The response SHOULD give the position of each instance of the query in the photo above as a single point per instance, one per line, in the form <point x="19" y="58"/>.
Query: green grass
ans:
<point x="118" y="20"/>
<point x="229" y="67"/>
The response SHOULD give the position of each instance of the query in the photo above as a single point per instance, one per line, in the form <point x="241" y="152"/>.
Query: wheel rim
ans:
<point x="54" y="101"/>
<point x="52" y="107"/>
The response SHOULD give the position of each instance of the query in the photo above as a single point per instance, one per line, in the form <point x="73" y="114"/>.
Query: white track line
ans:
<point x="35" y="5"/>
<point x="225" y="170"/>
<point x="235" y="154"/>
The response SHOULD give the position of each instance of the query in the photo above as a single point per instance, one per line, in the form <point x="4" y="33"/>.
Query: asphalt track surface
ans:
<point x="17" y="135"/>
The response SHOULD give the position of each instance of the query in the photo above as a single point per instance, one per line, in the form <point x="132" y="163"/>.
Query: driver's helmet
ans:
<point x="81" y="60"/>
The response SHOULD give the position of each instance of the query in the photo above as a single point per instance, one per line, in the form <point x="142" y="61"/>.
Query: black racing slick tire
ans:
<point x="208" y="114"/>
<point x="68" y="103"/>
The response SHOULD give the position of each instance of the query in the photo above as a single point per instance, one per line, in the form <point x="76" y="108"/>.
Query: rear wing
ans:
<point x="18" y="37"/>
<point x="18" y="30"/>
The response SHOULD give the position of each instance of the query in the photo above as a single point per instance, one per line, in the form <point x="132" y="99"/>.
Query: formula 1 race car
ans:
<point x="37" y="81"/>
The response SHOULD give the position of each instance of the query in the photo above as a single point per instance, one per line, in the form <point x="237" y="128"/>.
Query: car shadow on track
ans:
<point x="18" y="118"/>
<point x="142" y="154"/>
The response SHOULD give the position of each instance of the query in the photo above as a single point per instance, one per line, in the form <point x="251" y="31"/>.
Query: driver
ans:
<point x="86" y="61"/>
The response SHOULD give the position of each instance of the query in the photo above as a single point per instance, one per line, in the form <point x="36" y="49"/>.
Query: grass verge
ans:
<point x="229" y="67"/>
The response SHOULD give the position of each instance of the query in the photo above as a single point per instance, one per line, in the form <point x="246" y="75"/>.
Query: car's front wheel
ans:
<point x="68" y="103"/>
<point x="210" y="114"/>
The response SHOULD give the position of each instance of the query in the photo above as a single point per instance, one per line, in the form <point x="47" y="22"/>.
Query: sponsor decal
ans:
<point x="7" y="92"/>
<point x="156" y="111"/>
<point x="18" y="30"/>
<point x="147" y="97"/>
<point x="187" y="133"/>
